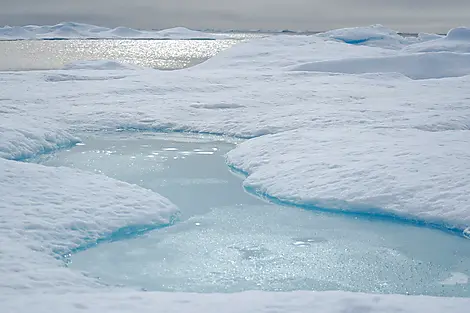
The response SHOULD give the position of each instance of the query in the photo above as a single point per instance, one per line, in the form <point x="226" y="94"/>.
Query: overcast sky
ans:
<point x="404" y="15"/>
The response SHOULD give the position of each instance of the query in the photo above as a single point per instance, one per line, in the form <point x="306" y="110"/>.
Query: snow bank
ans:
<point x="70" y="30"/>
<point x="457" y="40"/>
<point x="407" y="173"/>
<point x="414" y="66"/>
<point x="48" y="211"/>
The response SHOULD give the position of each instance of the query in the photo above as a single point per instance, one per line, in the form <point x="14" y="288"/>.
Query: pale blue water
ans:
<point x="228" y="240"/>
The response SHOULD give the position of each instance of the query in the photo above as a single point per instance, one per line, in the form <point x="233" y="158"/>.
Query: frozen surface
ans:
<point x="227" y="240"/>
<point x="407" y="138"/>
<point x="70" y="30"/>
<point x="252" y="301"/>
<point x="374" y="35"/>
<point x="47" y="211"/>
<point x="414" y="66"/>
<point x="384" y="170"/>
<point x="457" y="40"/>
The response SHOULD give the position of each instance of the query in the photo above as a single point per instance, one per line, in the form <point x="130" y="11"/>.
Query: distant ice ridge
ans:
<point x="374" y="35"/>
<point x="425" y="57"/>
<point x="456" y="40"/>
<point x="70" y="30"/>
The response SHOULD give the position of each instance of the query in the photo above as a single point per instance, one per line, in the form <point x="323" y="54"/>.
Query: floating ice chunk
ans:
<point x="414" y="66"/>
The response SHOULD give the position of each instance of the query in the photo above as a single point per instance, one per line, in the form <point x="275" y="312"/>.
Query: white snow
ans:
<point x="456" y="40"/>
<point x="70" y="30"/>
<point x="414" y="66"/>
<point x="252" y="301"/>
<point x="45" y="212"/>
<point x="375" y="170"/>
<point x="374" y="35"/>
<point x="375" y="143"/>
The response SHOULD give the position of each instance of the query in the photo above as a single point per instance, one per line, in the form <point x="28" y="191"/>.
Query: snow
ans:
<point x="70" y="30"/>
<point x="414" y="66"/>
<point x="252" y="301"/>
<point x="374" y="35"/>
<point x="376" y="143"/>
<point x="47" y="212"/>
<point x="456" y="40"/>
<point x="406" y="173"/>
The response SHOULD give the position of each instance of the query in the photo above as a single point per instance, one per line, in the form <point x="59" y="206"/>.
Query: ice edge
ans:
<point x="374" y="213"/>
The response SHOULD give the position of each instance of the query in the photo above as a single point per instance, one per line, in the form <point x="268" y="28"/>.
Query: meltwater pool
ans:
<point x="227" y="240"/>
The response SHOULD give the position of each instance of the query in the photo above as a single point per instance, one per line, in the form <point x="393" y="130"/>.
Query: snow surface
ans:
<point x="46" y="212"/>
<point x="374" y="35"/>
<point x="456" y="40"/>
<point x="252" y="301"/>
<point x="414" y="66"/>
<point x="70" y="30"/>
<point x="375" y="143"/>
<point x="374" y="171"/>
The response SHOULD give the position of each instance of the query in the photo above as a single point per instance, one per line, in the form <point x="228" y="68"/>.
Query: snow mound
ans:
<point x="456" y="40"/>
<point x="459" y="33"/>
<point x="71" y="30"/>
<point x="407" y="173"/>
<point x="414" y="66"/>
<point x="58" y="210"/>
<point x="375" y="35"/>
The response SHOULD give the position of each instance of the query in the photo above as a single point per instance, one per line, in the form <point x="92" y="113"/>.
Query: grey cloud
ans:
<point x="405" y="15"/>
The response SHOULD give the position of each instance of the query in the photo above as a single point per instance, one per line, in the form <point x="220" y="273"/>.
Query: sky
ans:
<point x="313" y="15"/>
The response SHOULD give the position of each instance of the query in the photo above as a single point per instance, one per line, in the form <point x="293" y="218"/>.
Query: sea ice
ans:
<point x="70" y="30"/>
<point x="368" y="143"/>
<point x="414" y="66"/>
<point x="456" y="40"/>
